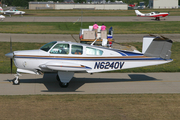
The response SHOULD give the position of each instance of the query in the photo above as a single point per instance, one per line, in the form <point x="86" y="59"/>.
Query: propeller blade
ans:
<point x="11" y="64"/>
<point x="11" y="52"/>
<point x="10" y="45"/>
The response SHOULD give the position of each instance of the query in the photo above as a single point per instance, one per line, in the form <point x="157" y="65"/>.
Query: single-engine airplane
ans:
<point x="156" y="15"/>
<point x="67" y="58"/>
<point x="12" y="12"/>
<point x="2" y="17"/>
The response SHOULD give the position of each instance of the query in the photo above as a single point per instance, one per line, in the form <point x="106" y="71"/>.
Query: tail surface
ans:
<point x="1" y="10"/>
<point x="157" y="47"/>
<point x="138" y="13"/>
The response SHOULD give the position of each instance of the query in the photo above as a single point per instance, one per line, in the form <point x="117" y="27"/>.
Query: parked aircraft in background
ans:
<point x="156" y="15"/>
<point x="1" y="10"/>
<point x="11" y="12"/>
<point x="2" y="17"/>
<point x="67" y="58"/>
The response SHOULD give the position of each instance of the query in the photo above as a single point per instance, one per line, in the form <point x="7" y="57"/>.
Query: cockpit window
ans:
<point x="93" y="51"/>
<point x="77" y="49"/>
<point x="156" y="12"/>
<point x="60" y="49"/>
<point x="47" y="46"/>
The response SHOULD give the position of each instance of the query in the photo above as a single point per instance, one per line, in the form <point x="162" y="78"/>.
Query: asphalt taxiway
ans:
<point x="87" y="19"/>
<point x="45" y="38"/>
<point x="98" y="83"/>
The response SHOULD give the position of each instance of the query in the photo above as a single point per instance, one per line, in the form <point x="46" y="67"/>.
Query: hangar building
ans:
<point x="163" y="4"/>
<point x="57" y="6"/>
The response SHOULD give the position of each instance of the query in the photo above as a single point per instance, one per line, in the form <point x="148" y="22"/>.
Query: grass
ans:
<point x="154" y="27"/>
<point x="170" y="67"/>
<point x="173" y="12"/>
<point x="96" y="107"/>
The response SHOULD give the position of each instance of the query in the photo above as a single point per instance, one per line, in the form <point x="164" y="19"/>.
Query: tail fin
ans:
<point x="157" y="47"/>
<point x="1" y="10"/>
<point x="138" y="13"/>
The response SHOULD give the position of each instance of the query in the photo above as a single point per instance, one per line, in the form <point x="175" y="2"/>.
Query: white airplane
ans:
<point x="156" y="15"/>
<point x="67" y="58"/>
<point x="12" y="12"/>
<point x="2" y="17"/>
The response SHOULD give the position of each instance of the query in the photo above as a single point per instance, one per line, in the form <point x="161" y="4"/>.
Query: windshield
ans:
<point x="47" y="46"/>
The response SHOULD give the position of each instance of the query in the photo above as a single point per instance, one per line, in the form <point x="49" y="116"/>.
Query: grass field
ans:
<point x="170" y="67"/>
<point x="88" y="107"/>
<point x="173" y="12"/>
<point x="155" y="27"/>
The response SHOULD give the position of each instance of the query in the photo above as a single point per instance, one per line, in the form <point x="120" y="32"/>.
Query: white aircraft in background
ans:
<point x="12" y="12"/>
<point x="67" y="58"/>
<point x="2" y="17"/>
<point x="156" y="15"/>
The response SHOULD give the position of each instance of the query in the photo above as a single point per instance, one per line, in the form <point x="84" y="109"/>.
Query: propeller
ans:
<point x="10" y="55"/>
<point x="11" y="60"/>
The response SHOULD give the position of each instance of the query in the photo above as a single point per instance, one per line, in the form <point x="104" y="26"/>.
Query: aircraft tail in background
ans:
<point x="1" y="10"/>
<point x="138" y="13"/>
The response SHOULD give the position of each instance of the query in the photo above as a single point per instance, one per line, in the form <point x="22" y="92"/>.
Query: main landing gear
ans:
<point x="64" y="78"/>
<point x="157" y="18"/>
<point x="61" y="84"/>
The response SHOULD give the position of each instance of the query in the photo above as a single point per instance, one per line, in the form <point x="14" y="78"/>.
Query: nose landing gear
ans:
<point x="16" y="80"/>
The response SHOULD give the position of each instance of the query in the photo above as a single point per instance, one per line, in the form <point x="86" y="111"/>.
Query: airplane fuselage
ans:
<point x="13" y="12"/>
<point x="156" y="15"/>
<point x="106" y="59"/>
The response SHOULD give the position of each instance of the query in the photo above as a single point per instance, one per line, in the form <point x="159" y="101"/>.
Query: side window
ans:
<point x="77" y="49"/>
<point x="93" y="51"/>
<point x="60" y="49"/>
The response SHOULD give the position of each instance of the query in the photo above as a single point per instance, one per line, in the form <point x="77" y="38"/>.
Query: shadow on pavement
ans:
<point x="52" y="85"/>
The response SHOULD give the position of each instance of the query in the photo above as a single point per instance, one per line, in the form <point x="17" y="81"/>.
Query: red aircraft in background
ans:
<point x="132" y="5"/>
<point x="156" y="15"/>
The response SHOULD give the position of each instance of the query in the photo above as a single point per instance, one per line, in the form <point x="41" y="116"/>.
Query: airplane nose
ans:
<point x="10" y="55"/>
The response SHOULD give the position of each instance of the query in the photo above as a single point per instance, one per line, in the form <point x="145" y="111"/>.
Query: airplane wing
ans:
<point x="9" y="12"/>
<point x="64" y="66"/>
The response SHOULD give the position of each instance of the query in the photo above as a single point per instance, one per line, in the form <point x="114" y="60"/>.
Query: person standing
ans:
<point x="95" y="27"/>
<point x="103" y="27"/>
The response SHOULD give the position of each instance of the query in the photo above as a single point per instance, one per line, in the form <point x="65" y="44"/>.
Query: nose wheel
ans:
<point x="16" y="80"/>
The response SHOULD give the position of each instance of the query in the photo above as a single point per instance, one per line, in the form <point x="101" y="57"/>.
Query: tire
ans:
<point x="63" y="85"/>
<point x="16" y="81"/>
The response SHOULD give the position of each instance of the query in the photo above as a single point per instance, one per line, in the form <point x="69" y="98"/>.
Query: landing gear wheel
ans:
<point x="63" y="85"/>
<point x="16" y="81"/>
